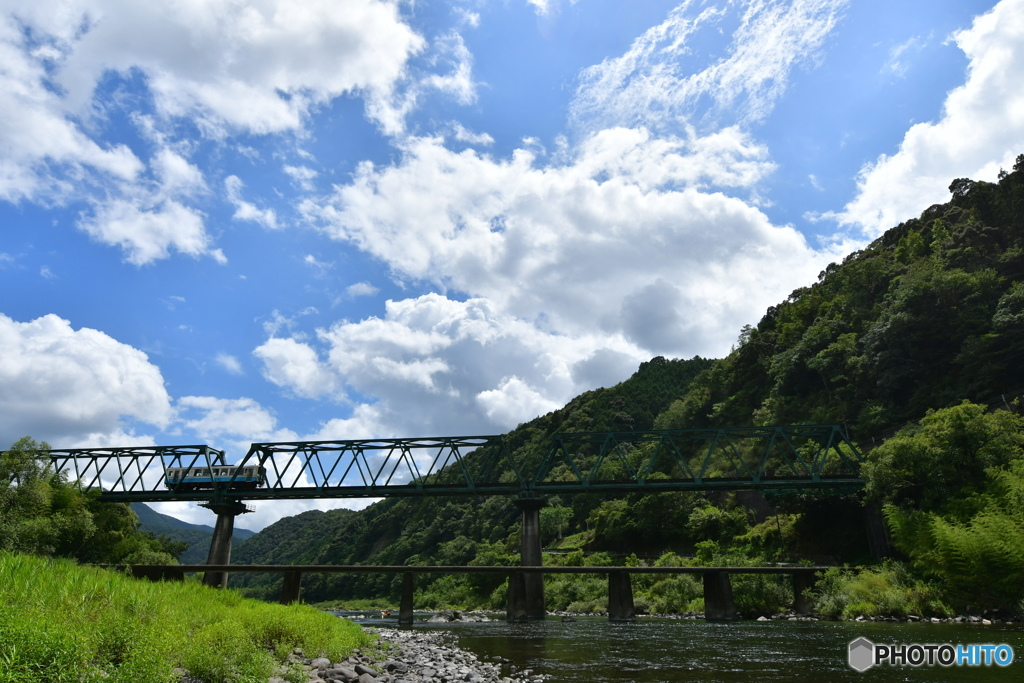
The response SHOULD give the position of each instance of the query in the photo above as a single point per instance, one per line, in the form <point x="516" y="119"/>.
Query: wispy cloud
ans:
<point x="652" y="85"/>
<point x="229" y="363"/>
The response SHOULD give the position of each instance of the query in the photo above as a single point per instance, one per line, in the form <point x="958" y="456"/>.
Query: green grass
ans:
<point x="61" y="622"/>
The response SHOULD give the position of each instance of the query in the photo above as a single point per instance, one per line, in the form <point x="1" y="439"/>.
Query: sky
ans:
<point x="236" y="221"/>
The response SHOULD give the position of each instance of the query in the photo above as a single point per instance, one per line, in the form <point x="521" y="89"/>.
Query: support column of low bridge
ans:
<point x="530" y="556"/>
<point x="220" y="544"/>
<point x="718" y="602"/>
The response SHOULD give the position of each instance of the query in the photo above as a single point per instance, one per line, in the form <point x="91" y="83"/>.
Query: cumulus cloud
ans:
<point x="75" y="387"/>
<point x="292" y="364"/>
<point x="239" y="421"/>
<point x="980" y="130"/>
<point x="255" y="67"/>
<point x="583" y="245"/>
<point x="443" y="365"/>
<point x="655" y="84"/>
<point x="148" y="227"/>
<point x="302" y="176"/>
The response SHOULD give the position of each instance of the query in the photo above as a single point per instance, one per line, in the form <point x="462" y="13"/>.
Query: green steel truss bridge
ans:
<point x="783" y="459"/>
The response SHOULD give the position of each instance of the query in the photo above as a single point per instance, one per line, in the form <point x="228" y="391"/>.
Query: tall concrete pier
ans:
<point x="220" y="544"/>
<point x="530" y="556"/>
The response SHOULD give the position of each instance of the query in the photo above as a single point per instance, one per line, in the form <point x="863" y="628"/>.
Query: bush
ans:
<point x="887" y="591"/>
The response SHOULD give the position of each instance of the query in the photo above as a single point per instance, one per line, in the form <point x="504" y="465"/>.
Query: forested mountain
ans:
<point x="928" y="315"/>
<point x="196" y="536"/>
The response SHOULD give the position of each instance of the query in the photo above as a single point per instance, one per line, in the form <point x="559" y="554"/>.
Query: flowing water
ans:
<point x="592" y="650"/>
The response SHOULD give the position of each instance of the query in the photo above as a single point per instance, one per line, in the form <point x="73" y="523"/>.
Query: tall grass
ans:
<point x="62" y="622"/>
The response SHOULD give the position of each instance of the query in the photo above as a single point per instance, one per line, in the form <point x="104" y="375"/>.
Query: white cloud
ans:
<point x="652" y="85"/>
<point x="148" y="227"/>
<point x="463" y="135"/>
<point x="229" y="363"/>
<point x="444" y="366"/>
<point x="981" y="129"/>
<point x="246" y="211"/>
<point x="75" y="387"/>
<point x="302" y="176"/>
<point x="36" y="137"/>
<point x="514" y="402"/>
<point x="361" y="289"/>
<point x="899" y="56"/>
<point x="292" y="364"/>
<point x="258" y="67"/>
<point x="243" y="420"/>
<point x="449" y="71"/>
<point x="580" y="246"/>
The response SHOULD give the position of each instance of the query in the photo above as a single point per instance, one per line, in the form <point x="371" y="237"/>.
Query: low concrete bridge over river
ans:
<point x="718" y="600"/>
<point x="789" y="458"/>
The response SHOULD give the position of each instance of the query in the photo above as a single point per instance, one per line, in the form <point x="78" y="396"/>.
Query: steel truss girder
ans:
<point x="789" y="458"/>
<point x="782" y="450"/>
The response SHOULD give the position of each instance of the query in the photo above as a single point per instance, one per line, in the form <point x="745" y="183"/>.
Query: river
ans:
<point x="592" y="650"/>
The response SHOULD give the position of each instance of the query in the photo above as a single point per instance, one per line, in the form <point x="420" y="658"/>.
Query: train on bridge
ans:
<point x="192" y="478"/>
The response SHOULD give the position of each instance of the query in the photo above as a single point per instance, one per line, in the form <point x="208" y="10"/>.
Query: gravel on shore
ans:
<point x="408" y="656"/>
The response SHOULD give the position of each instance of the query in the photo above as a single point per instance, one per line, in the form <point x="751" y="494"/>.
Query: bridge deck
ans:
<point x="439" y="569"/>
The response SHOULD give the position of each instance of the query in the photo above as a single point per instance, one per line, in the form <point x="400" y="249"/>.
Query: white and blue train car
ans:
<point x="190" y="478"/>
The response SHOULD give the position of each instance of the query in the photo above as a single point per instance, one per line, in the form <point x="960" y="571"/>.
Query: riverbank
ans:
<point x="405" y="656"/>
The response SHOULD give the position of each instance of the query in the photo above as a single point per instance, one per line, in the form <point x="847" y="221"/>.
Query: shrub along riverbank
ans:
<point x="62" y="622"/>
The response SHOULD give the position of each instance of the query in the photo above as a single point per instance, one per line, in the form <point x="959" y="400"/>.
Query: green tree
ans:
<point x="943" y="463"/>
<point x="42" y="513"/>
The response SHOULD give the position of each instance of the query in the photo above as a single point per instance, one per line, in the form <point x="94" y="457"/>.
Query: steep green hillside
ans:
<point x="929" y="314"/>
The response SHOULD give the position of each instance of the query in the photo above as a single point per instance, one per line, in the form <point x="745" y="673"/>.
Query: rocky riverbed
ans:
<point x="409" y="657"/>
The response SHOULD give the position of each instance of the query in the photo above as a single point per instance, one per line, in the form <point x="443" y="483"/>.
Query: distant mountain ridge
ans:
<point x="196" y="535"/>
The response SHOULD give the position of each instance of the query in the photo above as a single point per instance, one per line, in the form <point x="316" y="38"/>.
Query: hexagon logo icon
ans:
<point x="862" y="654"/>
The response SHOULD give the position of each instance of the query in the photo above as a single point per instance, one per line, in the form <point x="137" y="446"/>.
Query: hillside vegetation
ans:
<point x="927" y="316"/>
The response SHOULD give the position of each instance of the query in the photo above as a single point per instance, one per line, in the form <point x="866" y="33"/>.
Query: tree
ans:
<point x="942" y="463"/>
<point x="42" y="513"/>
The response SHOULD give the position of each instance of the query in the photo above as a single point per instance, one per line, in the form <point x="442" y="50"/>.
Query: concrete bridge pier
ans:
<point x="291" y="589"/>
<point x="801" y="582"/>
<point x="220" y="544"/>
<point x="718" y="603"/>
<point x="620" y="597"/>
<point x="405" y="617"/>
<point x="516" y="610"/>
<point x="530" y="556"/>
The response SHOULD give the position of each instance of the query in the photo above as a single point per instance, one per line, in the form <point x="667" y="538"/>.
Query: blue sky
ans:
<point x="226" y="222"/>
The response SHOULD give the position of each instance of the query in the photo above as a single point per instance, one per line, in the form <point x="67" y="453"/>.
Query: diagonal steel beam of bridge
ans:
<point x="782" y="458"/>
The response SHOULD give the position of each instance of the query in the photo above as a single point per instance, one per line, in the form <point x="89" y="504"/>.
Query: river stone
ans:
<point x="360" y="669"/>
<point x="320" y="663"/>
